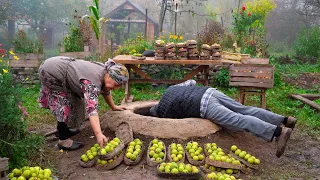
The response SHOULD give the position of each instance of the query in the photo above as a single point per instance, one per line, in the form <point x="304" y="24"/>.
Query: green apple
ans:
<point x="155" y="141"/>
<point x="234" y="148"/>
<point x="256" y="161"/>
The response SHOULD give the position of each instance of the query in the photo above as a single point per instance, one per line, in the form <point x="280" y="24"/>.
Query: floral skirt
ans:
<point x="56" y="101"/>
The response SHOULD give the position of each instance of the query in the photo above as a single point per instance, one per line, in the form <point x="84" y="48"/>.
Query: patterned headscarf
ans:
<point x="117" y="72"/>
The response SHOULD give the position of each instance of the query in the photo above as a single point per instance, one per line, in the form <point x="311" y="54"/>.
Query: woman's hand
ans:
<point x="101" y="139"/>
<point x="119" y="108"/>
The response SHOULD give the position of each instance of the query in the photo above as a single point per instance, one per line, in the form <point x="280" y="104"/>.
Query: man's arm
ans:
<point x="189" y="82"/>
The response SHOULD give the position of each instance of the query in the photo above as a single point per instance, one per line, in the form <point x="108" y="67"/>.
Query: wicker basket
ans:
<point x="129" y="162"/>
<point x="208" y="171"/>
<point x="154" y="163"/>
<point x="222" y="164"/>
<point x="124" y="133"/>
<point x="138" y="57"/>
<point x="89" y="163"/>
<point x="169" y="155"/>
<point x="113" y="153"/>
<point x="193" y="162"/>
<point x="179" y="175"/>
<point x="112" y="165"/>
<point x="243" y="161"/>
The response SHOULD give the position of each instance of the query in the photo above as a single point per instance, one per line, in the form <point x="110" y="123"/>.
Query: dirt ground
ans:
<point x="305" y="80"/>
<point x="301" y="159"/>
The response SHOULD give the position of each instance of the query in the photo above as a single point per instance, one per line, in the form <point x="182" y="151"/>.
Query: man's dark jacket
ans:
<point x="181" y="102"/>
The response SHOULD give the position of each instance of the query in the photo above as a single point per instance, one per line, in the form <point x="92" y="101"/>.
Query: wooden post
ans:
<point x="128" y="25"/>
<point x="175" y="23"/>
<point x="221" y="21"/>
<point x="146" y="27"/>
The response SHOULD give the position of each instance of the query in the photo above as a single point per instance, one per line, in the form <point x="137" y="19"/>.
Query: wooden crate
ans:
<point x="4" y="166"/>
<point x="251" y="75"/>
<point x="252" y="79"/>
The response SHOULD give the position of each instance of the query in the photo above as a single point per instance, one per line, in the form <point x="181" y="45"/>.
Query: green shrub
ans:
<point x="73" y="42"/>
<point x="137" y="44"/>
<point x="307" y="44"/>
<point x="16" y="142"/>
<point x="221" y="78"/>
<point x="23" y="44"/>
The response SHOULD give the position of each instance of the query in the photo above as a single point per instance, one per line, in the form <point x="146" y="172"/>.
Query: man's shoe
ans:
<point x="281" y="141"/>
<point x="291" y="122"/>
<point x="75" y="145"/>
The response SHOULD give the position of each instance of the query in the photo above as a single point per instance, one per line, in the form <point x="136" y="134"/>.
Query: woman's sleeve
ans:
<point x="91" y="94"/>
<point x="190" y="82"/>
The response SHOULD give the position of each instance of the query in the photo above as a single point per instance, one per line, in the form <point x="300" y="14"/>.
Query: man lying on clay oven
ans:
<point x="187" y="100"/>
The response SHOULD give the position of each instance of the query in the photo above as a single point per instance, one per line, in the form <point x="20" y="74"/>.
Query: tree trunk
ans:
<point x="11" y="28"/>
<point x="162" y="13"/>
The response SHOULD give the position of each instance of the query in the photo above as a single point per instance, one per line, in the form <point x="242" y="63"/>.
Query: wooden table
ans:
<point x="131" y="64"/>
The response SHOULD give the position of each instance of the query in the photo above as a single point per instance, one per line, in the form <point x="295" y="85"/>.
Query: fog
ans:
<point x="37" y="16"/>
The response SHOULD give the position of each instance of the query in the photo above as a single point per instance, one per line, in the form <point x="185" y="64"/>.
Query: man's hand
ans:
<point x="101" y="139"/>
<point x="119" y="108"/>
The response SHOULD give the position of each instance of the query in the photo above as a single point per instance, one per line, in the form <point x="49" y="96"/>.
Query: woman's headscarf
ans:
<point x="117" y="72"/>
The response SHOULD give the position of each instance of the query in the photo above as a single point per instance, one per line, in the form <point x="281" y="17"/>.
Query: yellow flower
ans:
<point x="0" y="60"/>
<point x="138" y="65"/>
<point x="175" y="37"/>
<point x="145" y="49"/>
<point x="61" y="150"/>
<point x="27" y="79"/>
<point x="134" y="51"/>
<point x="171" y="36"/>
<point x="16" y="58"/>
<point x="181" y="38"/>
<point x="5" y="71"/>
<point x="11" y="53"/>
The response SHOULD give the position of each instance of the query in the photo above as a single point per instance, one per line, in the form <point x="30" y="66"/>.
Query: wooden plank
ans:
<point x="226" y="61"/>
<point x="25" y="63"/>
<point x="311" y="96"/>
<point x="306" y="101"/>
<point x="252" y="68"/>
<point x="167" y="81"/>
<point x="247" y="79"/>
<point x="251" y="74"/>
<point x="194" y="72"/>
<point x="126" y="59"/>
<point x="255" y="61"/>
<point x="262" y="85"/>
<point x="140" y="72"/>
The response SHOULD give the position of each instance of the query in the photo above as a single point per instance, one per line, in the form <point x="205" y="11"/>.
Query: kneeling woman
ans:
<point x="64" y="79"/>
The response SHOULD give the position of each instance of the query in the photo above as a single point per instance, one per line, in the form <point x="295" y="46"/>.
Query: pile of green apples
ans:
<point x="177" y="152"/>
<point x="110" y="146"/>
<point x="217" y="154"/>
<point x="195" y="151"/>
<point x="156" y="151"/>
<point x="175" y="168"/>
<point x="104" y="162"/>
<point x="30" y="173"/>
<point x="222" y="170"/>
<point x="91" y="153"/>
<point x="134" y="149"/>
<point x="220" y="176"/>
<point x="244" y="155"/>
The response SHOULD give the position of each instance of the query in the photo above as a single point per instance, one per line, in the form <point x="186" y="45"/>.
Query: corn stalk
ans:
<point x="96" y="22"/>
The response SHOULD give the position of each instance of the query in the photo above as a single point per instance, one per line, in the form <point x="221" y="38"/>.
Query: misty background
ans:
<point x="37" y="16"/>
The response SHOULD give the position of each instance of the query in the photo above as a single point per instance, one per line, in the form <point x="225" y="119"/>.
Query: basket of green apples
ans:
<point x="156" y="153"/>
<point x="134" y="152"/>
<point x="90" y="158"/>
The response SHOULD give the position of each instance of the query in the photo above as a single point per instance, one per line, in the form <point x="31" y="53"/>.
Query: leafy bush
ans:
<point x="138" y="44"/>
<point x="23" y="44"/>
<point x="16" y="142"/>
<point x="221" y="78"/>
<point x="307" y="44"/>
<point x="73" y="42"/>
<point x="211" y="33"/>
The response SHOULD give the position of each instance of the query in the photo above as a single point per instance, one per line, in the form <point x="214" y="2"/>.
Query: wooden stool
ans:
<point x="3" y="168"/>
<point x="252" y="79"/>
<point x="256" y="91"/>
